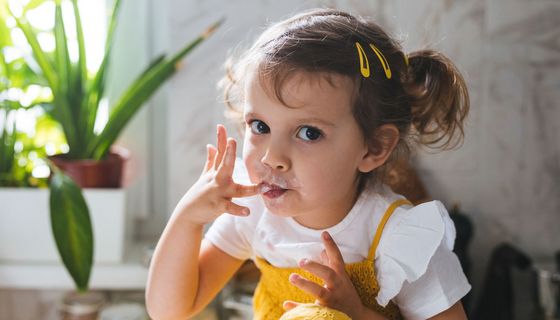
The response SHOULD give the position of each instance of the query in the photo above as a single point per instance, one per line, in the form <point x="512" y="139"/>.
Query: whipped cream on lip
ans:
<point x="273" y="185"/>
<point x="271" y="190"/>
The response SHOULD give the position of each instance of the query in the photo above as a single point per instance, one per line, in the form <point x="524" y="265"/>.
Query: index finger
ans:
<point x="333" y="253"/>
<point x="241" y="190"/>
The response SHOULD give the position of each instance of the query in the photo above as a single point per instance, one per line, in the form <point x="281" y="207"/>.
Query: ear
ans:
<point x="386" y="138"/>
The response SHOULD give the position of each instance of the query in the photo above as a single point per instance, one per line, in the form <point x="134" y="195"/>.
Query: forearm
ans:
<point x="174" y="273"/>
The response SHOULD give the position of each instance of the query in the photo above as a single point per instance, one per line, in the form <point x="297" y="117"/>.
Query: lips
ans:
<point x="271" y="191"/>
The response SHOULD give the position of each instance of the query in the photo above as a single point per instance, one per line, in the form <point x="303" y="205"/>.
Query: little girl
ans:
<point x="327" y="101"/>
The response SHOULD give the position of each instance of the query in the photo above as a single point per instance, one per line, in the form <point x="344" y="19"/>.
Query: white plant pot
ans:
<point x="25" y="228"/>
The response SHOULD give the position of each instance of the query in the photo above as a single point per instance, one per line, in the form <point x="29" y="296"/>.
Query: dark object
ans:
<point x="557" y="261"/>
<point x="464" y="228"/>
<point x="497" y="298"/>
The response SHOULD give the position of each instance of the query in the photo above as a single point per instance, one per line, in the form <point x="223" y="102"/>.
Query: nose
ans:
<point x="276" y="156"/>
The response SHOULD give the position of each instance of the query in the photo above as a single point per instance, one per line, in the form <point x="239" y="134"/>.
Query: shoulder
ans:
<point x="408" y="243"/>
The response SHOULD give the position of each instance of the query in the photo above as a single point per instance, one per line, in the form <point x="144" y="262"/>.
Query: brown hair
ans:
<point x="426" y="98"/>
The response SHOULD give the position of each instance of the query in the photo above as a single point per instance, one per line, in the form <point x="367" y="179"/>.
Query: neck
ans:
<point x="321" y="219"/>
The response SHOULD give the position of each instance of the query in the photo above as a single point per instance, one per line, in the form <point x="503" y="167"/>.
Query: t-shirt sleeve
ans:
<point x="231" y="235"/>
<point x="443" y="284"/>
<point x="415" y="264"/>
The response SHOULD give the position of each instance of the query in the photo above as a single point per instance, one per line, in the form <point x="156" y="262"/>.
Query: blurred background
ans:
<point x="504" y="182"/>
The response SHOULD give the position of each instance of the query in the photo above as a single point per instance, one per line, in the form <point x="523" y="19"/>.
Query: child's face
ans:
<point x="307" y="156"/>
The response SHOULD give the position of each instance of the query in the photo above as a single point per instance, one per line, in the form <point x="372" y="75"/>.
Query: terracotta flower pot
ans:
<point x="107" y="173"/>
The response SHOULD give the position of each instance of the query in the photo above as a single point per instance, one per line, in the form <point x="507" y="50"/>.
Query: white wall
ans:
<point x="141" y="35"/>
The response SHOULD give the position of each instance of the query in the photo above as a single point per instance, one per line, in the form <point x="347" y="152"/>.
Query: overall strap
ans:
<point x="381" y="225"/>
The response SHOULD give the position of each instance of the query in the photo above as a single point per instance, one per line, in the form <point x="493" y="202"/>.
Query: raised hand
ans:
<point x="211" y="195"/>
<point x="338" y="292"/>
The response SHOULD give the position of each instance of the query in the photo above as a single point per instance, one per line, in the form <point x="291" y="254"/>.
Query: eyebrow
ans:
<point x="252" y="115"/>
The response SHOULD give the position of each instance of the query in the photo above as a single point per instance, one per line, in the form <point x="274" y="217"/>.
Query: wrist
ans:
<point x="193" y="211"/>
<point x="187" y="218"/>
<point x="366" y="313"/>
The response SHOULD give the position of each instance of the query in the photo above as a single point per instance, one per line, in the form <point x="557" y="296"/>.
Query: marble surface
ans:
<point x="506" y="176"/>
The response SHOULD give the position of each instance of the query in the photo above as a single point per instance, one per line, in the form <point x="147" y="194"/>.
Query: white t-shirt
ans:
<point x="414" y="262"/>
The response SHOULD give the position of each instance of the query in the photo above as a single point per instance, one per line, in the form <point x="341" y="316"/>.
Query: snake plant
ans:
<point x="76" y="99"/>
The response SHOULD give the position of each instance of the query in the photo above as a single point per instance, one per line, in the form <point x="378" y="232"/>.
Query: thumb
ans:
<point x="289" y="305"/>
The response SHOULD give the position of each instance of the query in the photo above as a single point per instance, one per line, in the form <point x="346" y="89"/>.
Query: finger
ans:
<point x="324" y="257"/>
<point x="319" y="292"/>
<point x="329" y="276"/>
<point x="241" y="191"/>
<point x="225" y="169"/>
<point x="210" y="155"/>
<point x="333" y="253"/>
<point x="222" y="142"/>
<point x="235" y="209"/>
<point x="289" y="305"/>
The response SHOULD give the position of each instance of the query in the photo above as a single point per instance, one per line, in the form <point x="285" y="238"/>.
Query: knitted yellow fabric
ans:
<point x="274" y="287"/>
<point x="312" y="311"/>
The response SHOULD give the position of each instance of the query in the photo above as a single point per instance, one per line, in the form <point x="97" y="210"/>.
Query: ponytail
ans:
<point x="438" y="97"/>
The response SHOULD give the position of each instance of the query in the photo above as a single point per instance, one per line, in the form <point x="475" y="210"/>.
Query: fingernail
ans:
<point x="245" y="211"/>
<point x="303" y="262"/>
<point x="294" y="277"/>
<point x="326" y="235"/>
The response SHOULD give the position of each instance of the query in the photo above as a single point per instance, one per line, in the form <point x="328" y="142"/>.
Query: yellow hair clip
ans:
<point x="384" y="62"/>
<point x="364" y="62"/>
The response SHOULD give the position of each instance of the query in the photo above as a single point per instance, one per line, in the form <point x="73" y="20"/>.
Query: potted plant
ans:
<point x="23" y="173"/>
<point x="76" y="95"/>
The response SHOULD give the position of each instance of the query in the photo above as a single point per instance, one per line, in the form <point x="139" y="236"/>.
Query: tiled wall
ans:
<point x="506" y="176"/>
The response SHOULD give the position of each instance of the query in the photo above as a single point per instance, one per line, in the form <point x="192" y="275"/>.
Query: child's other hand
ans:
<point x="211" y="195"/>
<point x="338" y="292"/>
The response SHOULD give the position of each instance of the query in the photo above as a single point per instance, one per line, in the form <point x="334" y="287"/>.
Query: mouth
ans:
<point x="271" y="191"/>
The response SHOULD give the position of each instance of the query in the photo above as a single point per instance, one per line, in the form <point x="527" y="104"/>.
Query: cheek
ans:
<point x="251" y="159"/>
<point x="333" y="174"/>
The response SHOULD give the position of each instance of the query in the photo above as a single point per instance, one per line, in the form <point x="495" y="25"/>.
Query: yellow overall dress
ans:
<point x="274" y="287"/>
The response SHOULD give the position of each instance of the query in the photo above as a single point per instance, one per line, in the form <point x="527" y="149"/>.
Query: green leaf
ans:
<point x="112" y="23"/>
<point x="33" y="4"/>
<point x="138" y="93"/>
<point x="7" y="143"/>
<point x="4" y="9"/>
<point x="96" y="87"/>
<point x="65" y="105"/>
<point x="81" y="44"/>
<point x="80" y="76"/>
<point x="21" y="75"/>
<point x="38" y="53"/>
<point x="62" y="111"/>
<point x="71" y="227"/>
<point x="61" y="51"/>
<point x="5" y="38"/>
